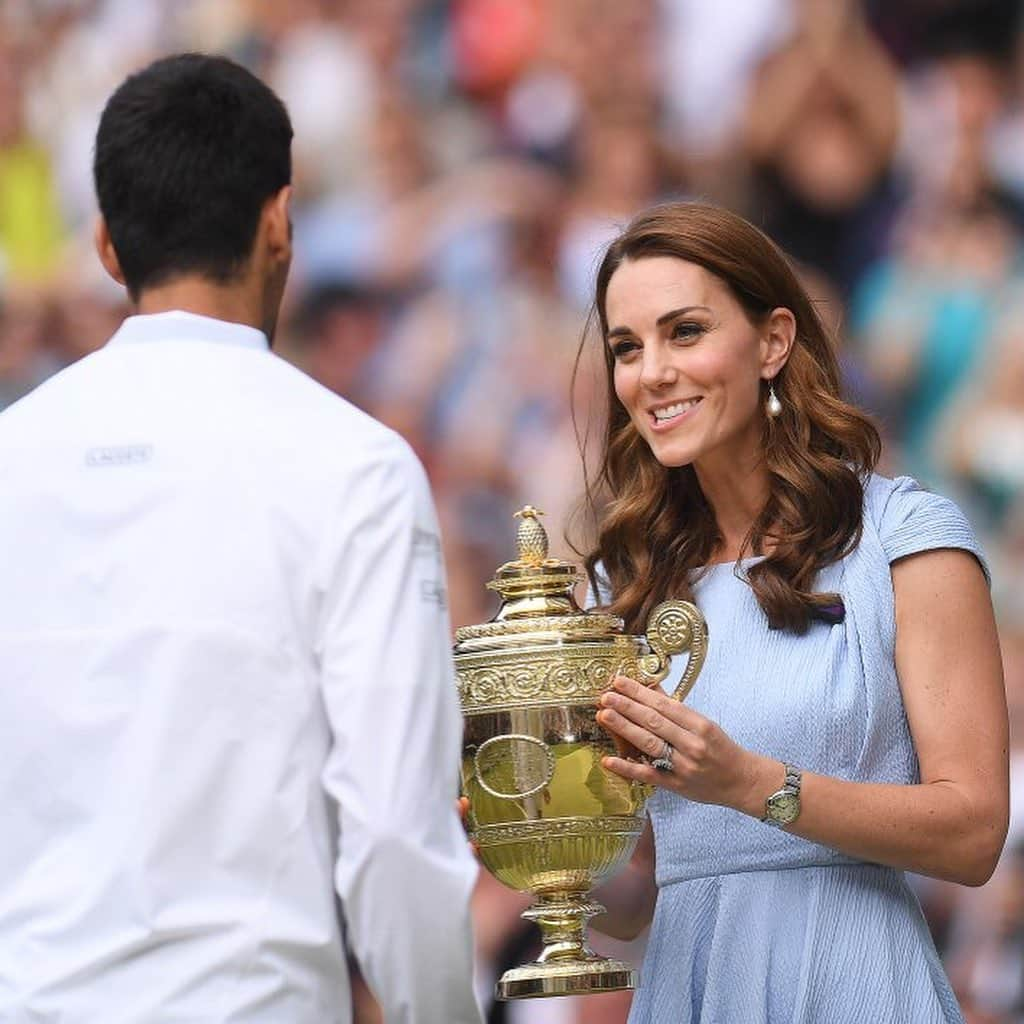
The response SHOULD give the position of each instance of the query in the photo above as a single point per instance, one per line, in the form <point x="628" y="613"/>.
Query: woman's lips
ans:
<point x="689" y="407"/>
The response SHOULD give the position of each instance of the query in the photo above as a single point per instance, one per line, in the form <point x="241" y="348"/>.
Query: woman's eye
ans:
<point x="687" y="330"/>
<point x="621" y="349"/>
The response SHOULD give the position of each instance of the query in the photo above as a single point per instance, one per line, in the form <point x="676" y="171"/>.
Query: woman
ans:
<point x="852" y="696"/>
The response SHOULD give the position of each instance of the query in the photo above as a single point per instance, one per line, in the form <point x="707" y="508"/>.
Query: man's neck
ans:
<point x="233" y="302"/>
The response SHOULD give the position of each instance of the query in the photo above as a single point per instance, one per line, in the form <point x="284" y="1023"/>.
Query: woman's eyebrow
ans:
<point x="663" y="319"/>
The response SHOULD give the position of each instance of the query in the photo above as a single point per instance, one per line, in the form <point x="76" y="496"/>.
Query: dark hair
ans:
<point x="657" y="528"/>
<point x="187" y="152"/>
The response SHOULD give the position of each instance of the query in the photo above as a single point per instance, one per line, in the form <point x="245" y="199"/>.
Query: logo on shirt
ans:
<point x="119" y="455"/>
<point x="433" y="592"/>
<point x="427" y="545"/>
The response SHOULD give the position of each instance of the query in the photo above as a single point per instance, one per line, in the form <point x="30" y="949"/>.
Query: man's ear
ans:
<point x="777" y="342"/>
<point x="278" y="225"/>
<point x="105" y="250"/>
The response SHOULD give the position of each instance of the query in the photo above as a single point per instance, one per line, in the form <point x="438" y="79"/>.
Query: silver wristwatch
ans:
<point x="783" y="806"/>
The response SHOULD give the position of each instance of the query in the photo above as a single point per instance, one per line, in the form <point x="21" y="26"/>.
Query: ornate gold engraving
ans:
<point x="529" y="677"/>
<point x="559" y="828"/>
<point x="592" y="626"/>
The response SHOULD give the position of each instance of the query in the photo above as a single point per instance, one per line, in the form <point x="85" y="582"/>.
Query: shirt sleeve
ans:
<point x="913" y="520"/>
<point x="404" y="872"/>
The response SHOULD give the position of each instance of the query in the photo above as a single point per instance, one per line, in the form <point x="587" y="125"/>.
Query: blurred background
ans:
<point x="459" y="166"/>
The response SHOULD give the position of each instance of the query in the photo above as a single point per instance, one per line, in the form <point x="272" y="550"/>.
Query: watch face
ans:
<point x="784" y="807"/>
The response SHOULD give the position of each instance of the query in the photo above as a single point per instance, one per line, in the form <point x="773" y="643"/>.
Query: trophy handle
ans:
<point x="673" y="627"/>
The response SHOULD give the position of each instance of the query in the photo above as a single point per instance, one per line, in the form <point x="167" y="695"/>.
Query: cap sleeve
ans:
<point x="912" y="519"/>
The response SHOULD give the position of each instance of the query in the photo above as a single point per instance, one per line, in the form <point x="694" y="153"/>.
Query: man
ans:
<point x="224" y="661"/>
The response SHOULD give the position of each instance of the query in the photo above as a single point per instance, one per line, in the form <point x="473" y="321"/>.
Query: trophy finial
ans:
<point x="531" y="537"/>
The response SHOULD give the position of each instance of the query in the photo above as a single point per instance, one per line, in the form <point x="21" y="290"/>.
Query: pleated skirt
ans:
<point x="846" y="944"/>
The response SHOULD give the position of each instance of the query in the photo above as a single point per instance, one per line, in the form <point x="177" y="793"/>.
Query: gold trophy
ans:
<point x="547" y="817"/>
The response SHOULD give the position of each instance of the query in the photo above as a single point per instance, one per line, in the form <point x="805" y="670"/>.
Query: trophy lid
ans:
<point x="538" y="604"/>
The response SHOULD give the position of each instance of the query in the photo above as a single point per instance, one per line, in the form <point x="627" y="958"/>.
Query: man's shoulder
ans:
<point x="49" y="394"/>
<point x="293" y="418"/>
<point x="331" y="420"/>
<point x="259" y="395"/>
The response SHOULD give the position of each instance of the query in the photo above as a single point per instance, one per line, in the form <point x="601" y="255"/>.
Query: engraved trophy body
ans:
<point x="547" y="817"/>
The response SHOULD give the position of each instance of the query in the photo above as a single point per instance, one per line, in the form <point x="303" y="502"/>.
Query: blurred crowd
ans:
<point x="459" y="165"/>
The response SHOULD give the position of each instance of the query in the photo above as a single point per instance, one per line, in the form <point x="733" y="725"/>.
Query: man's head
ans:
<point x="192" y="171"/>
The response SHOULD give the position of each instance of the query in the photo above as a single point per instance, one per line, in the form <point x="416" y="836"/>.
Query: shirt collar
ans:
<point x="178" y="325"/>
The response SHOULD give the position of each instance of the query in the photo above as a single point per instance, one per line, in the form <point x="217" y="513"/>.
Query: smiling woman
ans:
<point x="852" y="694"/>
<point x="700" y="309"/>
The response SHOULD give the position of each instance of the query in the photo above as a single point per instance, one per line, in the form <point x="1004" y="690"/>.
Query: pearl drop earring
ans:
<point x="772" y="406"/>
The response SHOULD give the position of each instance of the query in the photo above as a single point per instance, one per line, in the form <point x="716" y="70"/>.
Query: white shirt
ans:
<point x="225" y="677"/>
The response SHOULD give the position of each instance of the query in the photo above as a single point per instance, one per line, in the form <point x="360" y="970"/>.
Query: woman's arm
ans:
<point x="629" y="897"/>
<point x="953" y="824"/>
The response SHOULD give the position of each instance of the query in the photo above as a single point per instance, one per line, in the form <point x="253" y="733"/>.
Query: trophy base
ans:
<point x="565" y="978"/>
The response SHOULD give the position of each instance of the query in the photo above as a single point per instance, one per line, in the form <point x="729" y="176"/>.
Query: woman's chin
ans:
<point x="674" y="457"/>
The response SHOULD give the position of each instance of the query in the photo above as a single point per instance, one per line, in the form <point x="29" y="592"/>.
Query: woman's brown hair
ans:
<point x="655" y="527"/>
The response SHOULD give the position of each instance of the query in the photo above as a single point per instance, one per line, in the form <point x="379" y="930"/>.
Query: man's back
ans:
<point x="205" y="556"/>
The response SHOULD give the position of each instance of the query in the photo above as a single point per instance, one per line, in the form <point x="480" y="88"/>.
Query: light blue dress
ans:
<point x="756" y="926"/>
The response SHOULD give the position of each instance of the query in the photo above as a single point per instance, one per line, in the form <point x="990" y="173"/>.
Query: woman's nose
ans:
<point x="656" y="370"/>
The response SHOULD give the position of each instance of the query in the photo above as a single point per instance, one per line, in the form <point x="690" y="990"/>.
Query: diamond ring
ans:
<point x="664" y="763"/>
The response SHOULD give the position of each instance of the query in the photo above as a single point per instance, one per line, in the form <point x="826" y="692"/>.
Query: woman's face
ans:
<point x="688" y="361"/>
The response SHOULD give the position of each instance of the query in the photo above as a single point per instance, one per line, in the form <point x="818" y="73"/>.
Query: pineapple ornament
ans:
<point x="531" y="537"/>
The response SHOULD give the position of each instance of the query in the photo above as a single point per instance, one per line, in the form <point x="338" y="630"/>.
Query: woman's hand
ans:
<point x="707" y="766"/>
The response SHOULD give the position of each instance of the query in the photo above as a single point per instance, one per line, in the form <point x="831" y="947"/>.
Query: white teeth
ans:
<point x="674" y="410"/>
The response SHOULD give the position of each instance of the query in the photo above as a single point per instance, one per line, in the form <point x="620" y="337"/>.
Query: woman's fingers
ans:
<point x="641" y="771"/>
<point x="637" y="771"/>
<point x="622" y="746"/>
<point x="707" y="765"/>
<point x="642" y="737"/>
<point x="628" y="737"/>
<point x="645" y="720"/>
<point x="660" y="719"/>
<point x="654" y="698"/>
